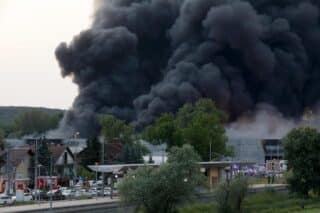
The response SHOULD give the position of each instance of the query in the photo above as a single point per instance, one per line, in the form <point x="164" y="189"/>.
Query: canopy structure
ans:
<point x="222" y="164"/>
<point x="115" y="168"/>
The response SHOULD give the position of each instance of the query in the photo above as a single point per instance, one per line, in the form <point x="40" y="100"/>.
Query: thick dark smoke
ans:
<point x="144" y="57"/>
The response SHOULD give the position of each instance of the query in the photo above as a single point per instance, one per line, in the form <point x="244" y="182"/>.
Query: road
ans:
<point x="59" y="205"/>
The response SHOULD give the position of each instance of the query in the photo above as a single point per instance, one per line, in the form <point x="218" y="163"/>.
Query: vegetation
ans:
<point x="133" y="153"/>
<point x="2" y="143"/>
<point x="10" y="113"/>
<point x="91" y="155"/>
<point x="44" y="155"/>
<point x="113" y="128"/>
<point x="85" y="173"/>
<point x="199" y="124"/>
<point x="2" y="147"/>
<point x="34" y="121"/>
<point x="302" y="148"/>
<point x="265" y="202"/>
<point x="172" y="182"/>
<point x="229" y="197"/>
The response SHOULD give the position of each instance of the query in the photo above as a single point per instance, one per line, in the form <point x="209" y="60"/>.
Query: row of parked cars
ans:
<point x="43" y="195"/>
<point x="91" y="192"/>
<point x="7" y="199"/>
<point x="60" y="194"/>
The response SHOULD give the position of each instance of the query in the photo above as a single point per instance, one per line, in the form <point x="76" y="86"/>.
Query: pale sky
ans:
<point x="30" y="30"/>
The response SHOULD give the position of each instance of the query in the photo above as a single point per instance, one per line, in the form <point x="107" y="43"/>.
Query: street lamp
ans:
<point x="75" y="136"/>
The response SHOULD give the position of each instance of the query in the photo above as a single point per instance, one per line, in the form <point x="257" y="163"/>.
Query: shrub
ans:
<point x="159" y="190"/>
<point x="230" y="196"/>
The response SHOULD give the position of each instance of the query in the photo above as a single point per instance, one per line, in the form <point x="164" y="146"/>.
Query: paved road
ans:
<point x="56" y="204"/>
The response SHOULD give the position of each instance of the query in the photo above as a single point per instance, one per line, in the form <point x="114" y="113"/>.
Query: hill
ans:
<point x="9" y="113"/>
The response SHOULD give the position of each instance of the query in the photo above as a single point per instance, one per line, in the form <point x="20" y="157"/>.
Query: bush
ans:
<point x="159" y="190"/>
<point x="230" y="196"/>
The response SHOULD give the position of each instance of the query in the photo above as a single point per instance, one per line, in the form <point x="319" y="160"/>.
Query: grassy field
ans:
<point x="266" y="202"/>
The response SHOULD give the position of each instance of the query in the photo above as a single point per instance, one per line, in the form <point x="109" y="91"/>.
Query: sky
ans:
<point x="30" y="30"/>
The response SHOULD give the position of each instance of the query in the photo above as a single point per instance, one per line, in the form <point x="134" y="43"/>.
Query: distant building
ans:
<point x="63" y="160"/>
<point x="18" y="169"/>
<point x="157" y="153"/>
<point x="14" y="142"/>
<point x="216" y="171"/>
<point x="256" y="150"/>
<point x="273" y="149"/>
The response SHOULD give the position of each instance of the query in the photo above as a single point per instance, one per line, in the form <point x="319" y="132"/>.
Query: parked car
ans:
<point x="39" y="194"/>
<point x="5" y="200"/>
<point x="56" y="195"/>
<point x="67" y="193"/>
<point x="28" y="197"/>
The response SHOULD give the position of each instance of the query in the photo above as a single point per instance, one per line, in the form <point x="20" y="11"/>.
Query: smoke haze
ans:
<point x="141" y="58"/>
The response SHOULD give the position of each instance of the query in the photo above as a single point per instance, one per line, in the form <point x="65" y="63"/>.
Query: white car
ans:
<point x="6" y="200"/>
<point x="67" y="192"/>
<point x="27" y="197"/>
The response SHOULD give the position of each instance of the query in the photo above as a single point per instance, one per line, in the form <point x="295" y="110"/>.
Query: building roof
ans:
<point x="56" y="149"/>
<point x="13" y="142"/>
<point x="16" y="155"/>
<point x="225" y="163"/>
<point x="119" y="167"/>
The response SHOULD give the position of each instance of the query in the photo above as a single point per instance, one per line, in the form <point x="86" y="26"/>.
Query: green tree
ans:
<point x="85" y="173"/>
<point x="163" y="131"/>
<point x="2" y="147"/>
<point x="92" y="153"/>
<point x="44" y="155"/>
<point x="35" y="121"/>
<point x="229" y="197"/>
<point x="133" y="153"/>
<point x="302" y="148"/>
<point x="113" y="128"/>
<point x="159" y="190"/>
<point x="2" y="142"/>
<point x="199" y="124"/>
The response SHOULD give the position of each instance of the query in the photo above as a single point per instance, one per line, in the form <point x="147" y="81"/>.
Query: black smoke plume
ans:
<point x="141" y="58"/>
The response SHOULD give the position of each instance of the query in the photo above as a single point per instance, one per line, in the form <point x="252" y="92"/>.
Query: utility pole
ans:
<point x="7" y="172"/>
<point x="51" y="183"/>
<point x="75" y="165"/>
<point x="35" y="168"/>
<point x="102" y="163"/>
